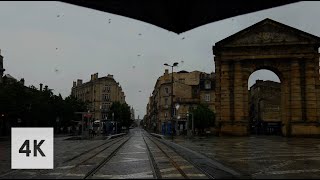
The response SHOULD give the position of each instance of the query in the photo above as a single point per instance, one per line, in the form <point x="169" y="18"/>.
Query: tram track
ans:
<point x="173" y="163"/>
<point x="104" y="161"/>
<point x="154" y="166"/>
<point x="108" y="144"/>
<point x="58" y="164"/>
<point x="208" y="174"/>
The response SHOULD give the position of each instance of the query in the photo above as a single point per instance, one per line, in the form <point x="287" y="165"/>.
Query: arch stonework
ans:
<point x="288" y="52"/>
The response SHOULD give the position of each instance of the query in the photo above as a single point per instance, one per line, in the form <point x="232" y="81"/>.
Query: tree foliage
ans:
<point x="36" y="108"/>
<point x="203" y="117"/>
<point x="122" y="113"/>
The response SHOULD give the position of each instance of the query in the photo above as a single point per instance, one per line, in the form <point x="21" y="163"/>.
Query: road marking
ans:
<point x="167" y="170"/>
<point x="133" y="153"/>
<point x="171" y="175"/>
<point x="196" y="175"/>
<point x="65" y="167"/>
<point x="85" y="165"/>
<point x="70" y="174"/>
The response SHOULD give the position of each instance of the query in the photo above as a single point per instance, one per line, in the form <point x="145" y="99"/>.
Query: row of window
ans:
<point x="106" y="106"/>
<point x="207" y="86"/>
<point x="107" y="88"/>
<point x="207" y="98"/>
<point x="106" y="97"/>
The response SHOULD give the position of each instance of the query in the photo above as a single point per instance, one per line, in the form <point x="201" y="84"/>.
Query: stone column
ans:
<point x="296" y="101"/>
<point x="246" y="76"/>
<point x="311" y="98"/>
<point x="317" y="78"/>
<point x="239" y="101"/>
<point x="217" y="89"/>
<point x="225" y="92"/>
<point x="285" y="103"/>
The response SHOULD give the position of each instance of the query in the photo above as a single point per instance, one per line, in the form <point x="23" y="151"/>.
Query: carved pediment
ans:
<point x="269" y="32"/>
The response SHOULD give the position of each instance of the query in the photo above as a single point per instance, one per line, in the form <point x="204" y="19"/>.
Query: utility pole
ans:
<point x="172" y="110"/>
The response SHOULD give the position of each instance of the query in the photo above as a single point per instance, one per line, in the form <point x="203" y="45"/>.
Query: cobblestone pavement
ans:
<point x="262" y="156"/>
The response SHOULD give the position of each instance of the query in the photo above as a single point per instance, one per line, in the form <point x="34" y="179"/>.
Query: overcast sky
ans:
<point x="55" y="43"/>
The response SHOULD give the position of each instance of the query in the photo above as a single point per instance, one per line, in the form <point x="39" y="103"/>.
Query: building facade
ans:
<point x="189" y="90"/>
<point x="99" y="93"/>
<point x="264" y="103"/>
<point x="1" y="68"/>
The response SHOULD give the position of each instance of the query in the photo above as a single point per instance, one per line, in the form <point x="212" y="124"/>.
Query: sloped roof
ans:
<point x="10" y="77"/>
<point x="269" y="32"/>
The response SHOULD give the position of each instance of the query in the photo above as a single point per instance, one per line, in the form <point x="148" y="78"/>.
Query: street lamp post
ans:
<point x="113" y="121"/>
<point x="174" y="64"/>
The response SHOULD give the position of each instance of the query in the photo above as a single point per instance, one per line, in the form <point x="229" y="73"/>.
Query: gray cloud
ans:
<point x="87" y="43"/>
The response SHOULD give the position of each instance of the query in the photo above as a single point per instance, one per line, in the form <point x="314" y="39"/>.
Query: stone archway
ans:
<point x="288" y="52"/>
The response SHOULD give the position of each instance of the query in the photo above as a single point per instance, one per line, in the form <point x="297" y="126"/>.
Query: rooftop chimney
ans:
<point x="41" y="86"/>
<point x="92" y="77"/>
<point x="22" y="81"/>
<point x="166" y="72"/>
<point x="79" y="82"/>
<point x="74" y="84"/>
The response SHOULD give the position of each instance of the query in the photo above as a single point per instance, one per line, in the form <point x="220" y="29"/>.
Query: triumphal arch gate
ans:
<point x="288" y="52"/>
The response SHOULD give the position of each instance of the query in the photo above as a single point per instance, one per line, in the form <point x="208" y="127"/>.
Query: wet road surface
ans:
<point x="262" y="156"/>
<point x="140" y="155"/>
<point x="135" y="155"/>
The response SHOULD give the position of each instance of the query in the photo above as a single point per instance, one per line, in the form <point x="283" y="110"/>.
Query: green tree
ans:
<point x="122" y="114"/>
<point x="203" y="117"/>
<point x="35" y="108"/>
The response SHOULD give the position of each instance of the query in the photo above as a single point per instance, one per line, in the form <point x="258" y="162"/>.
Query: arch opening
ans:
<point x="264" y="90"/>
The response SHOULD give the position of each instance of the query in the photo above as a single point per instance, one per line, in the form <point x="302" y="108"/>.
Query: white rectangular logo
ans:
<point x="31" y="148"/>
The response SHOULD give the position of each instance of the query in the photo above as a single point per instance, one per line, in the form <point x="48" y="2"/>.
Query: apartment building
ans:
<point x="99" y="93"/>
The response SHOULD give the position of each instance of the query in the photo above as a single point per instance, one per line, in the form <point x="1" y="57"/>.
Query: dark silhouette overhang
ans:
<point x="179" y="15"/>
